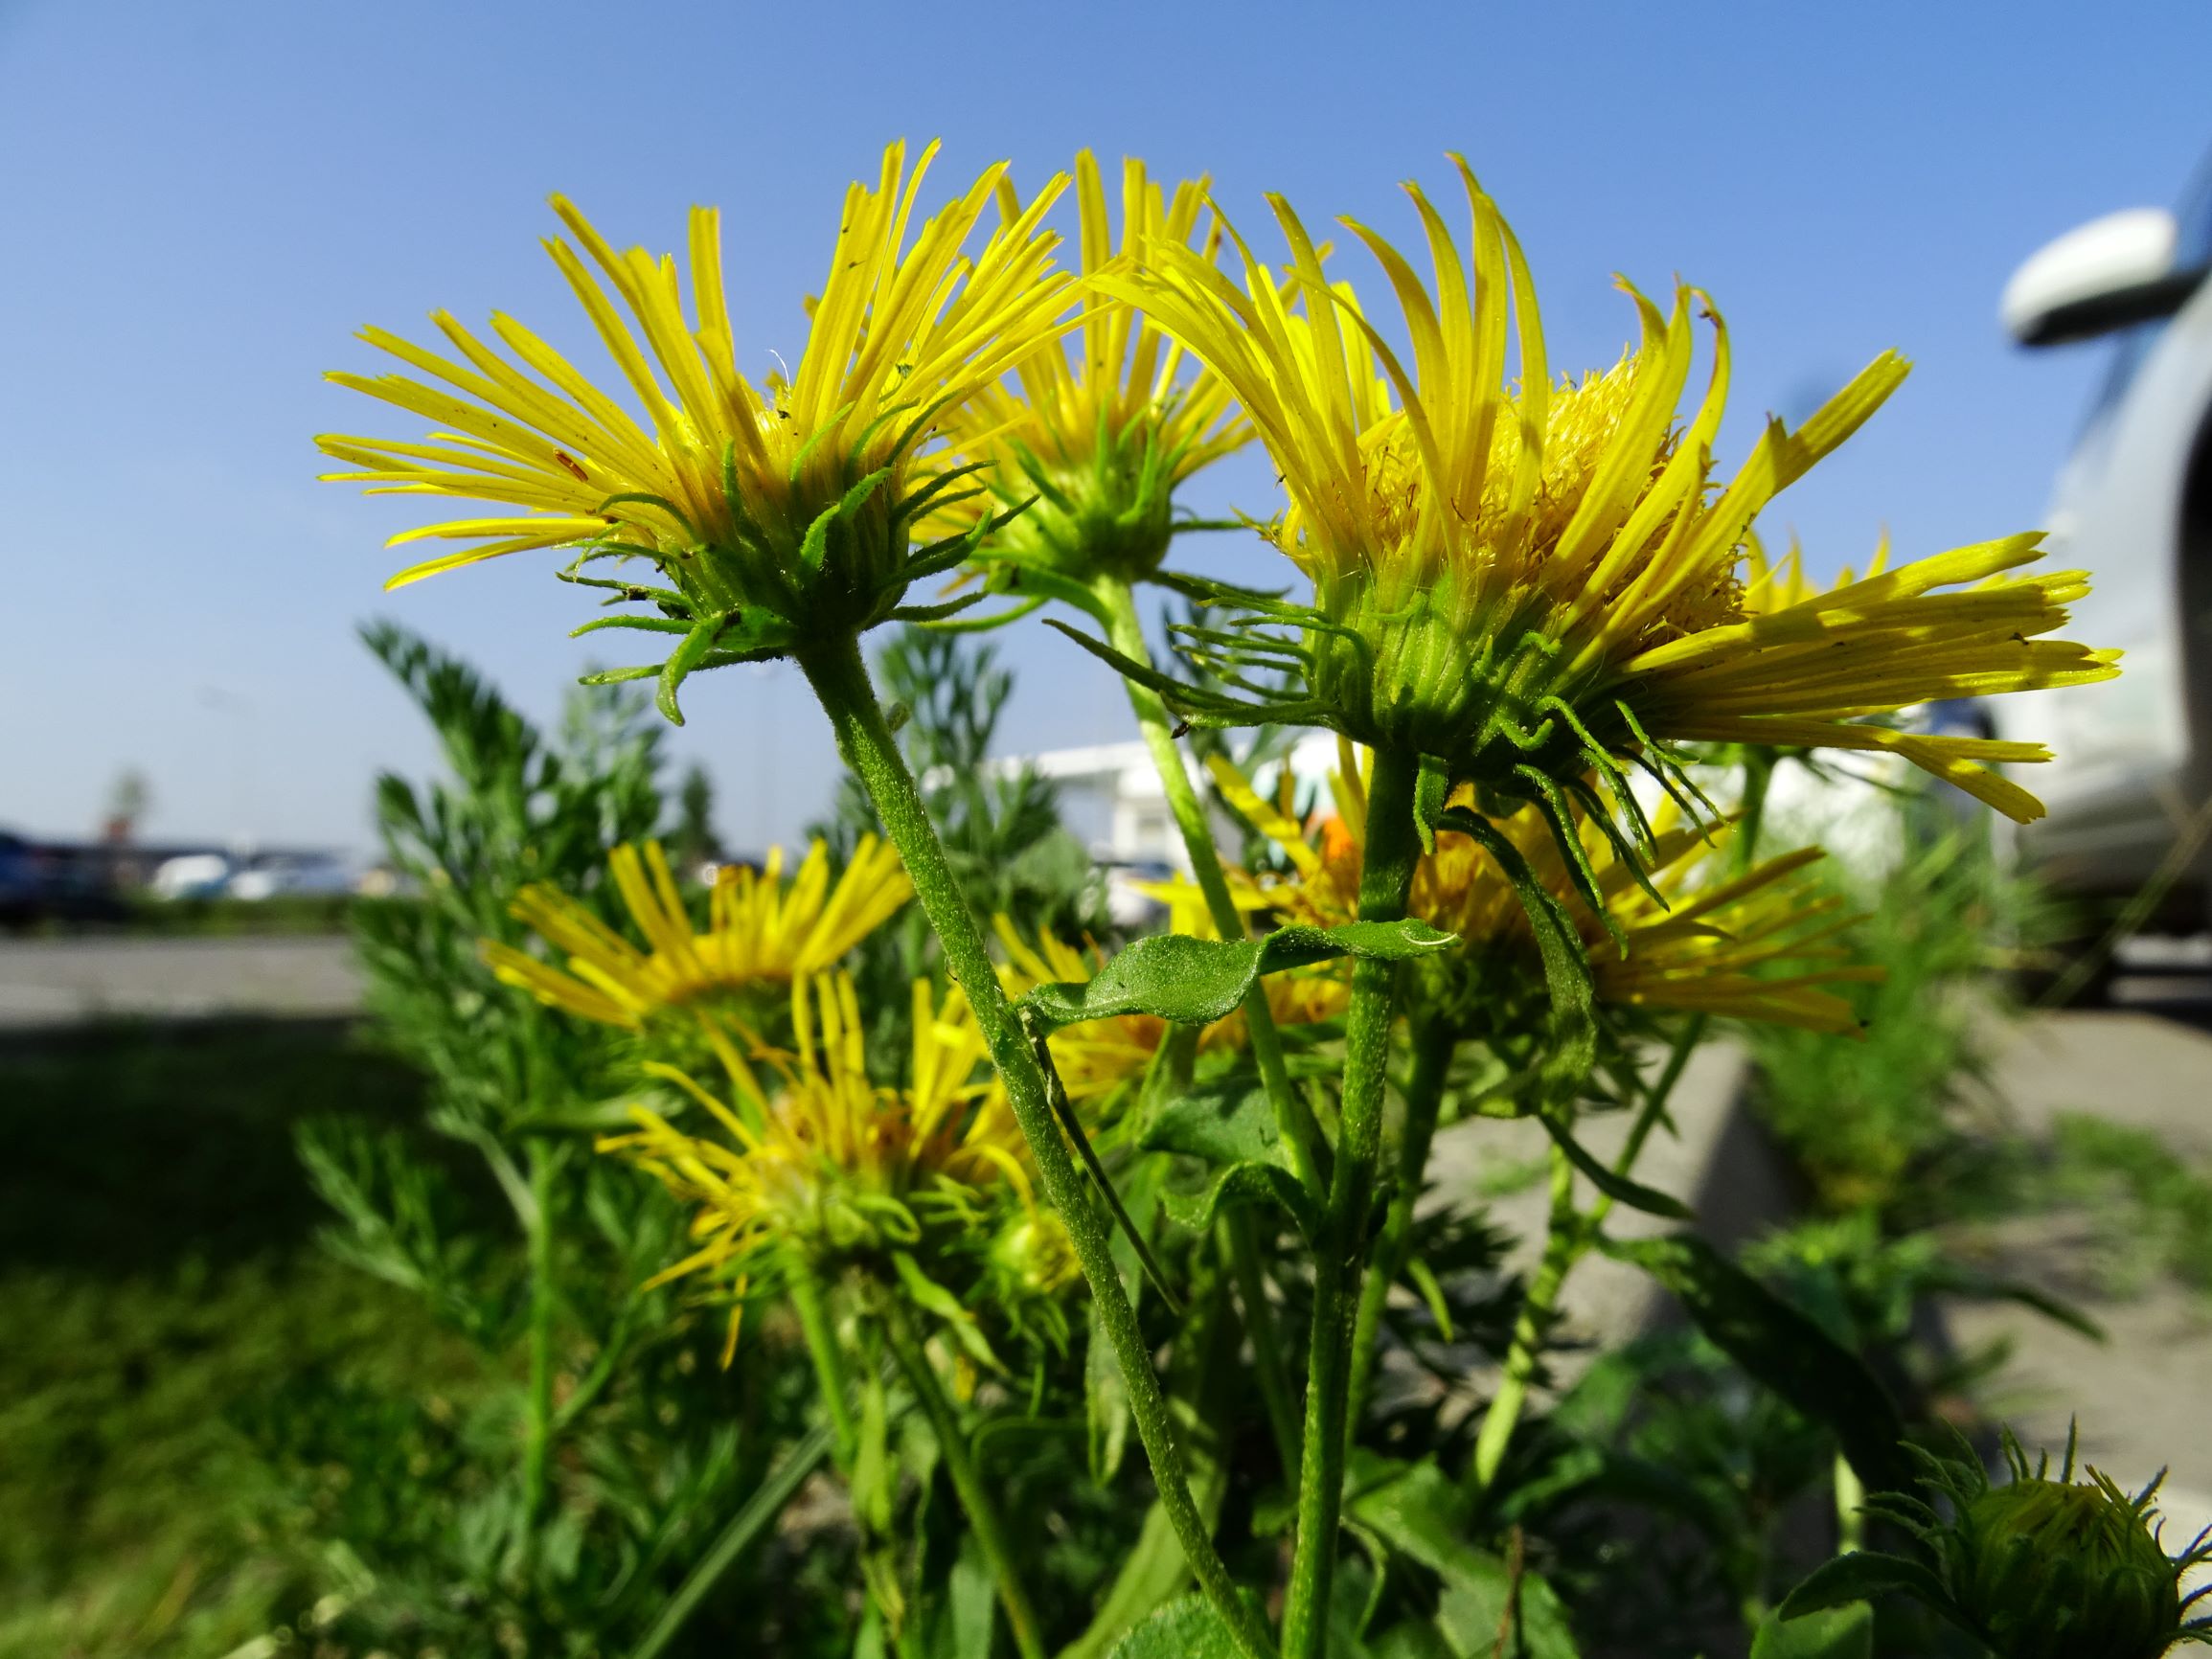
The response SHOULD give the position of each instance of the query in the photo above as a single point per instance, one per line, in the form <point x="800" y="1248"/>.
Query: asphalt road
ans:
<point x="49" y="982"/>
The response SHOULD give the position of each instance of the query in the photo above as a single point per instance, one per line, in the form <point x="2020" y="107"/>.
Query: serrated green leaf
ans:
<point x="1860" y="1577"/>
<point x="1226" y="1120"/>
<point x="1843" y="1633"/>
<point x="1185" y="1628"/>
<point x="1197" y="981"/>
<point x="1243" y="1184"/>
<point x="1782" y="1347"/>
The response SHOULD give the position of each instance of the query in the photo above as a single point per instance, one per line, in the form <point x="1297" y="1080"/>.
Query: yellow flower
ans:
<point x="761" y="932"/>
<point x="832" y="1163"/>
<point x="780" y="512"/>
<point x="1104" y="439"/>
<point x="1758" y="947"/>
<point x="1099" y="1057"/>
<point x="1527" y="579"/>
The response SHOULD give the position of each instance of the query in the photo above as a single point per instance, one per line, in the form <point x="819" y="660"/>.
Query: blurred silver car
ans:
<point x="2133" y="506"/>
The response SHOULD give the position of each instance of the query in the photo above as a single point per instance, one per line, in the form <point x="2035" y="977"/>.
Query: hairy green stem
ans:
<point x="1293" y="1116"/>
<point x="810" y="1300"/>
<point x="1385" y="878"/>
<point x="968" y="1485"/>
<point x="537" y="1421"/>
<point x="1242" y="1248"/>
<point x="840" y="681"/>
<point x="1563" y="1241"/>
<point x="1433" y="1043"/>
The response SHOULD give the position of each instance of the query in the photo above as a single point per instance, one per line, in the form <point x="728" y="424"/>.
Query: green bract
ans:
<point x="2036" y="1568"/>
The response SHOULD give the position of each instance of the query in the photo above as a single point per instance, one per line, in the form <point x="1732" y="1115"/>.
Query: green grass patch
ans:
<point x="159" y="1285"/>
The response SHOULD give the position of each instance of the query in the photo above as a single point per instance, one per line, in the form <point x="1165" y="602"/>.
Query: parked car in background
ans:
<point x="2133" y="506"/>
<point x="43" y="881"/>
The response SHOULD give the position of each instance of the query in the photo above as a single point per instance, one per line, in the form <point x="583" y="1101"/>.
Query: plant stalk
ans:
<point x="1293" y="1116"/>
<point x="1386" y="877"/>
<point x="1563" y="1243"/>
<point x="537" y="1422"/>
<point x="762" y="1507"/>
<point x="812" y="1305"/>
<point x="1244" y="1252"/>
<point x="1569" y="1237"/>
<point x="839" y="677"/>
<point x="1433" y="1043"/>
<point x="966" y="1479"/>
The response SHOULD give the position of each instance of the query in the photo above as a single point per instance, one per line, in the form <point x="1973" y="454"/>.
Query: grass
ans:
<point x="158" y="1279"/>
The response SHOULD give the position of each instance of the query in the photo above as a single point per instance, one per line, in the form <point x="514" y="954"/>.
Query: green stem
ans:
<point x="1386" y="877"/>
<point x="762" y="1507"/>
<point x="1569" y="1239"/>
<point x="1244" y="1252"/>
<point x="813" y="1310"/>
<point x="966" y="1479"/>
<point x="537" y="1422"/>
<point x="1433" y="1043"/>
<point x="1751" y="815"/>
<point x="840" y="681"/>
<point x="1563" y="1243"/>
<point x="1293" y="1116"/>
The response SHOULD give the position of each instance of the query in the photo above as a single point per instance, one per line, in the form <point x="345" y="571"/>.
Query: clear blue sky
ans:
<point x="202" y="200"/>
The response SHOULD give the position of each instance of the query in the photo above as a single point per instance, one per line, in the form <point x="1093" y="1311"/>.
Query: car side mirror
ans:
<point x="2096" y="277"/>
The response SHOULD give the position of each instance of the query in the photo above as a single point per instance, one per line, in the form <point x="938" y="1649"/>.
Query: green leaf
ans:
<point x="936" y="613"/>
<point x="1197" y="981"/>
<point x="1420" y="1513"/>
<point x="1783" y="1348"/>
<point x="1105" y="1398"/>
<point x="1963" y="1280"/>
<point x="1244" y="1184"/>
<point x="1186" y="1628"/>
<point x="686" y="657"/>
<point x="933" y="1298"/>
<point x="1618" y="1187"/>
<point x="1571" y="1043"/>
<point x="1226" y="1120"/>
<point x="1860" y="1577"/>
<point x="1840" y="1632"/>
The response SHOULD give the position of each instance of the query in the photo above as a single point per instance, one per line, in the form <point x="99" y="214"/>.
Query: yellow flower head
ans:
<point x="1102" y="440"/>
<point x="1526" y="578"/>
<point x="832" y="1164"/>
<point x="762" y="932"/>
<point x="1099" y="1057"/>
<point x="779" y="513"/>
<point x="1759" y="946"/>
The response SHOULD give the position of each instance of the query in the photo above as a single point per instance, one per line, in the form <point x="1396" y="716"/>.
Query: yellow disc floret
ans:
<point x="1524" y="578"/>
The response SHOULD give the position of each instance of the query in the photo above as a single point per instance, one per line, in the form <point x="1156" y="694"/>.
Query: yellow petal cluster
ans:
<point x="1758" y="947"/>
<point x="826" y="1160"/>
<point x="762" y="931"/>
<point x="1512" y="574"/>
<point x="721" y="481"/>
<point x="1103" y="427"/>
